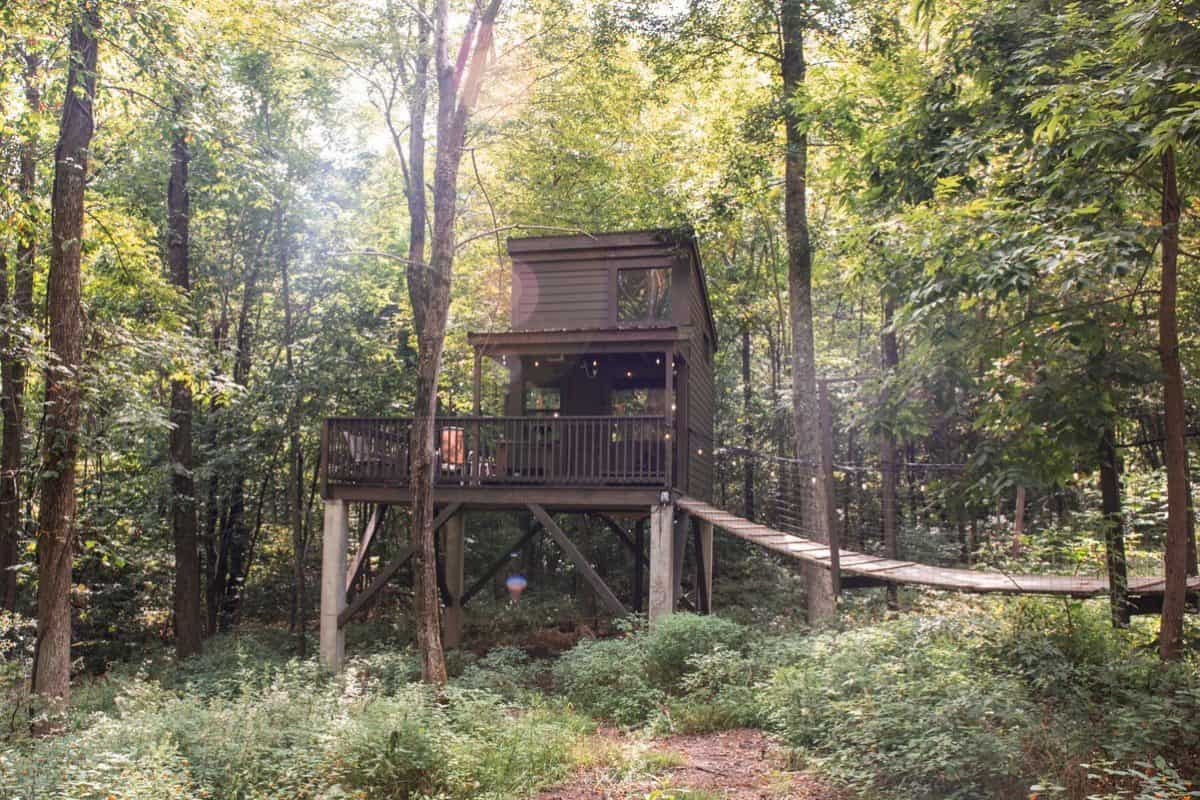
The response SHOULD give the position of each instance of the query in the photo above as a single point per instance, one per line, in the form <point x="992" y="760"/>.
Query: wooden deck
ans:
<point x="503" y="452"/>
<point x="910" y="572"/>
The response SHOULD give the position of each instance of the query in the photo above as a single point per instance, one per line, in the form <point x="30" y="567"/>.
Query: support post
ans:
<point x="333" y="587"/>
<point x="704" y="563"/>
<point x="825" y="410"/>
<point x="682" y="523"/>
<point x="455" y="550"/>
<point x="662" y="559"/>
<point x="639" y="544"/>
<point x="669" y="410"/>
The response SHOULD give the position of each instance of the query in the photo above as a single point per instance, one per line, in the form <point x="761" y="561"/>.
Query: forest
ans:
<point x="945" y="259"/>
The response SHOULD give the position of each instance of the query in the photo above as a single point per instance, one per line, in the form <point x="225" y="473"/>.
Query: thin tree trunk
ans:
<point x="13" y="359"/>
<point x="295" y="488"/>
<point x="188" y="622"/>
<point x="793" y="20"/>
<point x="747" y="426"/>
<point x="1018" y="522"/>
<point x="1114" y="528"/>
<point x="431" y="302"/>
<point x="1170" y="638"/>
<point x="889" y="460"/>
<point x="52" y="660"/>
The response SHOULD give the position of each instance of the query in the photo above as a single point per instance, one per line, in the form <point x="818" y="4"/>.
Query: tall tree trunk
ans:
<point x="747" y="427"/>
<point x="1170" y="637"/>
<point x="13" y="359"/>
<point x="1114" y="528"/>
<point x="52" y="660"/>
<point x="188" y="617"/>
<point x="794" y="21"/>
<point x="431" y="302"/>
<point x="231" y="560"/>
<point x="889" y="460"/>
<point x="295" y="489"/>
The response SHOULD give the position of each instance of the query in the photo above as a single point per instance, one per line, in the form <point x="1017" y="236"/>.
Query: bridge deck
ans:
<point x="911" y="572"/>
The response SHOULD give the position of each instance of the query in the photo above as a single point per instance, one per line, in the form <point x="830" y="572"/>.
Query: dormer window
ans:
<point x="644" y="295"/>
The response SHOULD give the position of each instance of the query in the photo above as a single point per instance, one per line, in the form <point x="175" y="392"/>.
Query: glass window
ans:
<point x="544" y="401"/>
<point x="643" y="294"/>
<point x="637" y="402"/>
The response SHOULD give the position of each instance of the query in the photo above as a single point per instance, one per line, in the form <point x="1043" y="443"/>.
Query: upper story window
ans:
<point x="644" y="295"/>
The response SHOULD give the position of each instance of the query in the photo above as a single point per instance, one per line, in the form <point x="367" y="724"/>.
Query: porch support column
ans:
<point x="333" y="583"/>
<point x="682" y="528"/>
<point x="662" y="559"/>
<point x="455" y="549"/>
<point x="704" y="562"/>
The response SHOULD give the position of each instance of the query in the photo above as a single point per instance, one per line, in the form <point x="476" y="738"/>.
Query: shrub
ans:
<point x="905" y="706"/>
<point x="607" y="678"/>
<point x="718" y="693"/>
<point x="675" y="641"/>
<point x="507" y="671"/>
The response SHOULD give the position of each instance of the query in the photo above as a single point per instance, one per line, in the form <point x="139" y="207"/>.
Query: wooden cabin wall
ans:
<point x="701" y="390"/>
<point x="570" y="282"/>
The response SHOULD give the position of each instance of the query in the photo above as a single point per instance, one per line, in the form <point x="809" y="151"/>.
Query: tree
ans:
<point x="1175" y="560"/>
<point x="458" y="86"/>
<point x="188" y="614"/>
<point x="794" y="22"/>
<point x="56" y="536"/>
<point x="13" y="356"/>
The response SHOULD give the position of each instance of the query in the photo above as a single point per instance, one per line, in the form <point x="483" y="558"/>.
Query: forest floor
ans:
<point x="739" y="764"/>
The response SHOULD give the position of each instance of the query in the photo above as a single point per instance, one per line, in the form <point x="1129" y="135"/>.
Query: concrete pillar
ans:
<point x="706" y="556"/>
<point x="455" y="550"/>
<point x="682" y="529"/>
<point x="662" y="560"/>
<point x="333" y="583"/>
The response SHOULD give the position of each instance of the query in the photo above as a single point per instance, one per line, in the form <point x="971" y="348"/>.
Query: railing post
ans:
<point x="830" y="510"/>
<point x="669" y="413"/>
<point x="325" y="459"/>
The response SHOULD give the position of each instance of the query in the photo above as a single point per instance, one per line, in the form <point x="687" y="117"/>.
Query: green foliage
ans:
<point x="242" y="722"/>
<point x="607" y="678"/>
<point x="674" y="643"/>
<point x="630" y="679"/>
<point x="955" y="706"/>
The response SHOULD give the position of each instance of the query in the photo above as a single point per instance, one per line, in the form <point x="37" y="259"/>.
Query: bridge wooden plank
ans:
<point x="911" y="572"/>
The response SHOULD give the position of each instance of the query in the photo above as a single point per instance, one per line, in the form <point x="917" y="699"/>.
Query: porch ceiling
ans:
<point x="583" y="340"/>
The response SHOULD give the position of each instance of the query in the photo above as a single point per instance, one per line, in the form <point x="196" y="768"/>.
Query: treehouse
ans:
<point x="607" y="408"/>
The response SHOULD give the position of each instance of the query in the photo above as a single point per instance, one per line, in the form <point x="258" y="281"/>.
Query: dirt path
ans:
<point x="730" y="765"/>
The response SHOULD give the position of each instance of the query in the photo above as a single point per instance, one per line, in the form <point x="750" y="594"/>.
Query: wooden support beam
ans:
<point x="662" y="560"/>
<point x="589" y="573"/>
<point x="682" y="523"/>
<point x="704" y="564"/>
<point x="333" y="590"/>
<point x="455" y="550"/>
<point x="504" y="558"/>
<point x="387" y="573"/>
<point x="365" y="546"/>
<point x="639" y="545"/>
<point x="826" y="489"/>
<point x="639" y="554"/>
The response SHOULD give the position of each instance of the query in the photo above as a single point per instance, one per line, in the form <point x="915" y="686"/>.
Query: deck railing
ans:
<point x="479" y="451"/>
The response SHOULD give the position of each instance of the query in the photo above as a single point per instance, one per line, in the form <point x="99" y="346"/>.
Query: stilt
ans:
<point x="682" y="527"/>
<point x="333" y="583"/>
<point x="704" y="564"/>
<point x="662" y="560"/>
<point x="455" y="550"/>
<point x="639" y="545"/>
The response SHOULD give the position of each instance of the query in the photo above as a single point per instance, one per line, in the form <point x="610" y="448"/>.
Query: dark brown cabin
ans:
<point x="607" y="407"/>
<point x="609" y="397"/>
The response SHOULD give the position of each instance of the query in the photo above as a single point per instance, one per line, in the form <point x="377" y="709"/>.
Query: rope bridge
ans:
<point x="788" y="495"/>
